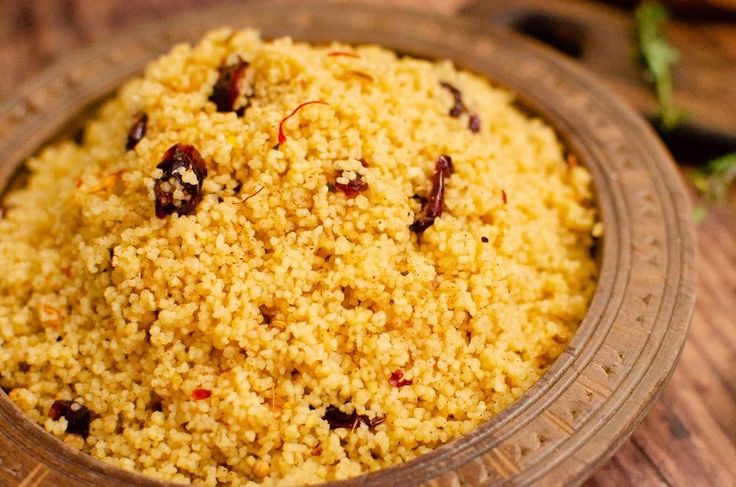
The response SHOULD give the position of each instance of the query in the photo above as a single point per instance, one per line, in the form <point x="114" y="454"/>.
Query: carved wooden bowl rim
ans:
<point x="602" y="386"/>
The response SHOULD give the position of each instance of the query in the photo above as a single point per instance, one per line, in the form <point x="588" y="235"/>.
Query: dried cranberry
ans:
<point x="474" y="123"/>
<point x="353" y="187"/>
<point x="228" y="85"/>
<point x="339" y="419"/>
<point x="422" y="200"/>
<point x="397" y="379"/>
<point x="436" y="199"/>
<point x="458" y="107"/>
<point x="137" y="131"/>
<point x="178" y="160"/>
<point x="77" y="416"/>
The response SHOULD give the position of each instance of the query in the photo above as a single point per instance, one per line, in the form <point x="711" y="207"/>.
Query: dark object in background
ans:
<point x="703" y="9"/>
<point x="602" y="39"/>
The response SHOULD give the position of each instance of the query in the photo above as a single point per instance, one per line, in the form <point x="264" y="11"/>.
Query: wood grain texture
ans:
<point x="688" y="438"/>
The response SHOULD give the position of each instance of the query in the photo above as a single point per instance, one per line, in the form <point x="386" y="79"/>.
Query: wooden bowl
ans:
<point x="599" y="389"/>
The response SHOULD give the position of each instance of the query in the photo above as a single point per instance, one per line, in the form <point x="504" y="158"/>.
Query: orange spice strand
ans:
<point x="254" y="194"/>
<point x="282" y="137"/>
<point x="504" y="197"/>
<point x="361" y="75"/>
<point x="51" y="310"/>
<point x="343" y="53"/>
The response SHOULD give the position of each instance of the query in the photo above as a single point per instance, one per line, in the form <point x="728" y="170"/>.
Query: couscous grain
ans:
<point x="258" y="267"/>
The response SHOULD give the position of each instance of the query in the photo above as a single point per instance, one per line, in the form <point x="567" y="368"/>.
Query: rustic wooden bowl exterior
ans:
<point x="602" y="386"/>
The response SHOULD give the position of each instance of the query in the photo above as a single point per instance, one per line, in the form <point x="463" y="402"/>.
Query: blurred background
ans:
<point x="674" y="61"/>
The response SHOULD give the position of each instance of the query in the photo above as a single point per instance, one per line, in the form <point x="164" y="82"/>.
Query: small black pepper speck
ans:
<point x="484" y="239"/>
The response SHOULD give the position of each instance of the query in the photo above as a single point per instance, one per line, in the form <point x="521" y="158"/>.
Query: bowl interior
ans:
<point x="599" y="388"/>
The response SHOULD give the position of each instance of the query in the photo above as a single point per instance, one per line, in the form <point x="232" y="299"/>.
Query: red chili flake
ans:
<point x="199" y="394"/>
<point x="503" y="197"/>
<point x="435" y="202"/>
<point x="458" y="108"/>
<point x="338" y="419"/>
<point x="178" y="159"/>
<point x="282" y="137"/>
<point x="77" y="415"/>
<point x="228" y="85"/>
<point x="343" y="53"/>
<point x="397" y="379"/>
<point x="137" y="131"/>
<point x="354" y="186"/>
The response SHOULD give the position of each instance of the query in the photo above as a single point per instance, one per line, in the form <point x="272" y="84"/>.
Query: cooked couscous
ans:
<point x="283" y="263"/>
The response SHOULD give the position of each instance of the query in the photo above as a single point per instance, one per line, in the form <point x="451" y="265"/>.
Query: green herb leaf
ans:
<point x="716" y="177"/>
<point x="699" y="213"/>
<point x="658" y="56"/>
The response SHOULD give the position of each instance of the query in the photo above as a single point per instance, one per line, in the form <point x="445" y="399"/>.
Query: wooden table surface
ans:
<point x="689" y="438"/>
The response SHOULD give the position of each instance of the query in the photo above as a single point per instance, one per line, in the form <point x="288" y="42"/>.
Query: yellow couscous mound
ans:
<point x="291" y="326"/>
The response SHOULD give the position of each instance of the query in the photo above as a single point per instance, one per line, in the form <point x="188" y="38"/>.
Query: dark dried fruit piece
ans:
<point x="422" y="200"/>
<point x="458" y="107"/>
<point x="397" y="379"/>
<point x="77" y="416"/>
<point x="179" y="189"/>
<point x="339" y="419"/>
<point x="436" y="199"/>
<point x="474" y="123"/>
<point x="228" y="85"/>
<point x="137" y="131"/>
<point x="353" y="187"/>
